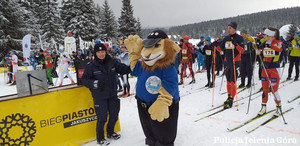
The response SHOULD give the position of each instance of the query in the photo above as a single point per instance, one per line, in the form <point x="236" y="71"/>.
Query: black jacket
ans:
<point x="105" y="72"/>
<point x="235" y="39"/>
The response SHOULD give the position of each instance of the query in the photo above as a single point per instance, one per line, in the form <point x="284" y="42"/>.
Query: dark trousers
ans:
<point x="294" y="61"/>
<point x="103" y="107"/>
<point x="246" y="68"/>
<point x="159" y="133"/>
<point x="126" y="84"/>
<point x="208" y="66"/>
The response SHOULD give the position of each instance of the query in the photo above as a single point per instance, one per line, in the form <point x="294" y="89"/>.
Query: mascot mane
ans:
<point x="169" y="58"/>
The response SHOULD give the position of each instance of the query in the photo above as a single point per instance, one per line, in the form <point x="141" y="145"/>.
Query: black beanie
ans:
<point x="99" y="47"/>
<point x="233" y="25"/>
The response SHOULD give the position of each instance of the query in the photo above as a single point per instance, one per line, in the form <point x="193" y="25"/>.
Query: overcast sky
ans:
<point x="164" y="13"/>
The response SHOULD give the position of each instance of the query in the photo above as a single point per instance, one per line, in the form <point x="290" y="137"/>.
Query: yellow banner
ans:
<point x="65" y="117"/>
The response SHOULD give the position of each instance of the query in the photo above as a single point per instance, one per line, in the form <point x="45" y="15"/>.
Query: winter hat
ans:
<point x="181" y="40"/>
<point x="99" y="47"/>
<point x="208" y="39"/>
<point x="154" y="37"/>
<point x="259" y="35"/>
<point x="244" y="31"/>
<point x="186" y="37"/>
<point x="202" y="37"/>
<point x="45" y="51"/>
<point x="297" y="34"/>
<point x="233" y="25"/>
<point x="269" y="32"/>
<point x="97" y="41"/>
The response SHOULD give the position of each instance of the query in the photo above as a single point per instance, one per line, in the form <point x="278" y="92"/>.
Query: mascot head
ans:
<point x="158" y="51"/>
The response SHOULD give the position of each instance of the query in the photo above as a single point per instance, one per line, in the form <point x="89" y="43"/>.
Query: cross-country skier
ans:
<point x="208" y="51"/>
<point x="187" y="59"/>
<point x="124" y="57"/>
<point x="271" y="50"/>
<point x="295" y="56"/>
<point x="246" y="67"/>
<point x="232" y="46"/>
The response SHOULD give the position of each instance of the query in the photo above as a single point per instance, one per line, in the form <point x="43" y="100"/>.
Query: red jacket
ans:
<point x="186" y="51"/>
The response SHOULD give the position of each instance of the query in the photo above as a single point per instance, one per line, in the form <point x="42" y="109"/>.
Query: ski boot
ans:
<point x="193" y="81"/>
<point x="263" y="109"/>
<point x="296" y="79"/>
<point x="288" y="78"/>
<point x="228" y="103"/>
<point x="278" y="111"/>
<point x="103" y="142"/>
<point x="180" y="83"/>
<point x="242" y="85"/>
<point x="217" y="74"/>
<point x="114" y="136"/>
<point x="207" y="85"/>
<point x="248" y="85"/>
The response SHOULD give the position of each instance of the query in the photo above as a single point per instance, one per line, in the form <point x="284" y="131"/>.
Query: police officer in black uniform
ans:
<point x="100" y="77"/>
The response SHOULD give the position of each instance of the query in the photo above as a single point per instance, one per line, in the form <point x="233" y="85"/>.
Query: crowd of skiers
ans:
<point x="239" y="54"/>
<point x="235" y="54"/>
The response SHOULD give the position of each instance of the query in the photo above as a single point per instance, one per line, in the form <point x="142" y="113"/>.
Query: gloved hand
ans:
<point x="134" y="44"/>
<point x="159" y="110"/>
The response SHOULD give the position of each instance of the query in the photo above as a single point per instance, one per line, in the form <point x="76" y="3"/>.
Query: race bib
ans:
<point x="246" y="47"/>
<point x="268" y="52"/>
<point x="184" y="51"/>
<point x="229" y="45"/>
<point x="208" y="52"/>
<point x="153" y="84"/>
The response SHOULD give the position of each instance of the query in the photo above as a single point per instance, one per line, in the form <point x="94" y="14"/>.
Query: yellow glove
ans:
<point x="159" y="110"/>
<point x="134" y="44"/>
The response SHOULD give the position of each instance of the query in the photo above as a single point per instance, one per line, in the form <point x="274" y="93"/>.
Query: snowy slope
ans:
<point x="213" y="130"/>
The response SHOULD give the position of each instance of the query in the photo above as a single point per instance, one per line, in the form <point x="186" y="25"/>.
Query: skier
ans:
<point x="200" y="56"/>
<point x="208" y="51"/>
<point x="271" y="50"/>
<point x="124" y="57"/>
<point x="99" y="77"/>
<point x="64" y="64"/>
<point x="246" y="67"/>
<point x="295" y="56"/>
<point x="232" y="46"/>
<point x="14" y="62"/>
<point x="187" y="56"/>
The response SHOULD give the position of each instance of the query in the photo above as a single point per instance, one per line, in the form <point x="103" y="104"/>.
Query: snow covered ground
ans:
<point x="213" y="130"/>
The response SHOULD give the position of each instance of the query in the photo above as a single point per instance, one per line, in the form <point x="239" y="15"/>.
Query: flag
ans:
<point x="81" y="43"/>
<point x="26" y="44"/>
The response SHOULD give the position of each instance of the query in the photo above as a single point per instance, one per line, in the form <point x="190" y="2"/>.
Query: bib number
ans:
<point x="229" y="45"/>
<point x="269" y="52"/>
<point x="184" y="51"/>
<point x="208" y="52"/>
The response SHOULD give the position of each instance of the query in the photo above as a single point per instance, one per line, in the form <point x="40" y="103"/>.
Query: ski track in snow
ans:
<point x="212" y="130"/>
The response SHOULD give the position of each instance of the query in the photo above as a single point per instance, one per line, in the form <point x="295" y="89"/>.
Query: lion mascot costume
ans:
<point x="157" y="94"/>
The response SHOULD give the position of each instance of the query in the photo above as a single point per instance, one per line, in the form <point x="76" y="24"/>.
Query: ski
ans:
<point x="214" y="113"/>
<point x="249" y="121"/>
<point x="295" y="98"/>
<point x="268" y="121"/>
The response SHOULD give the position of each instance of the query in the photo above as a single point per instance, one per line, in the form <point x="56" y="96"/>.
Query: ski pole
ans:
<point x="213" y="76"/>
<point x="234" y="75"/>
<point x="264" y="68"/>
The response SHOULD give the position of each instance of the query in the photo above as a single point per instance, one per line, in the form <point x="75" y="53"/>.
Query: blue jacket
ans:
<point x="105" y="72"/>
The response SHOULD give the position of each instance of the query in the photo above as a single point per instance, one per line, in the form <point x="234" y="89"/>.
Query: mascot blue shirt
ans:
<point x="149" y="82"/>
